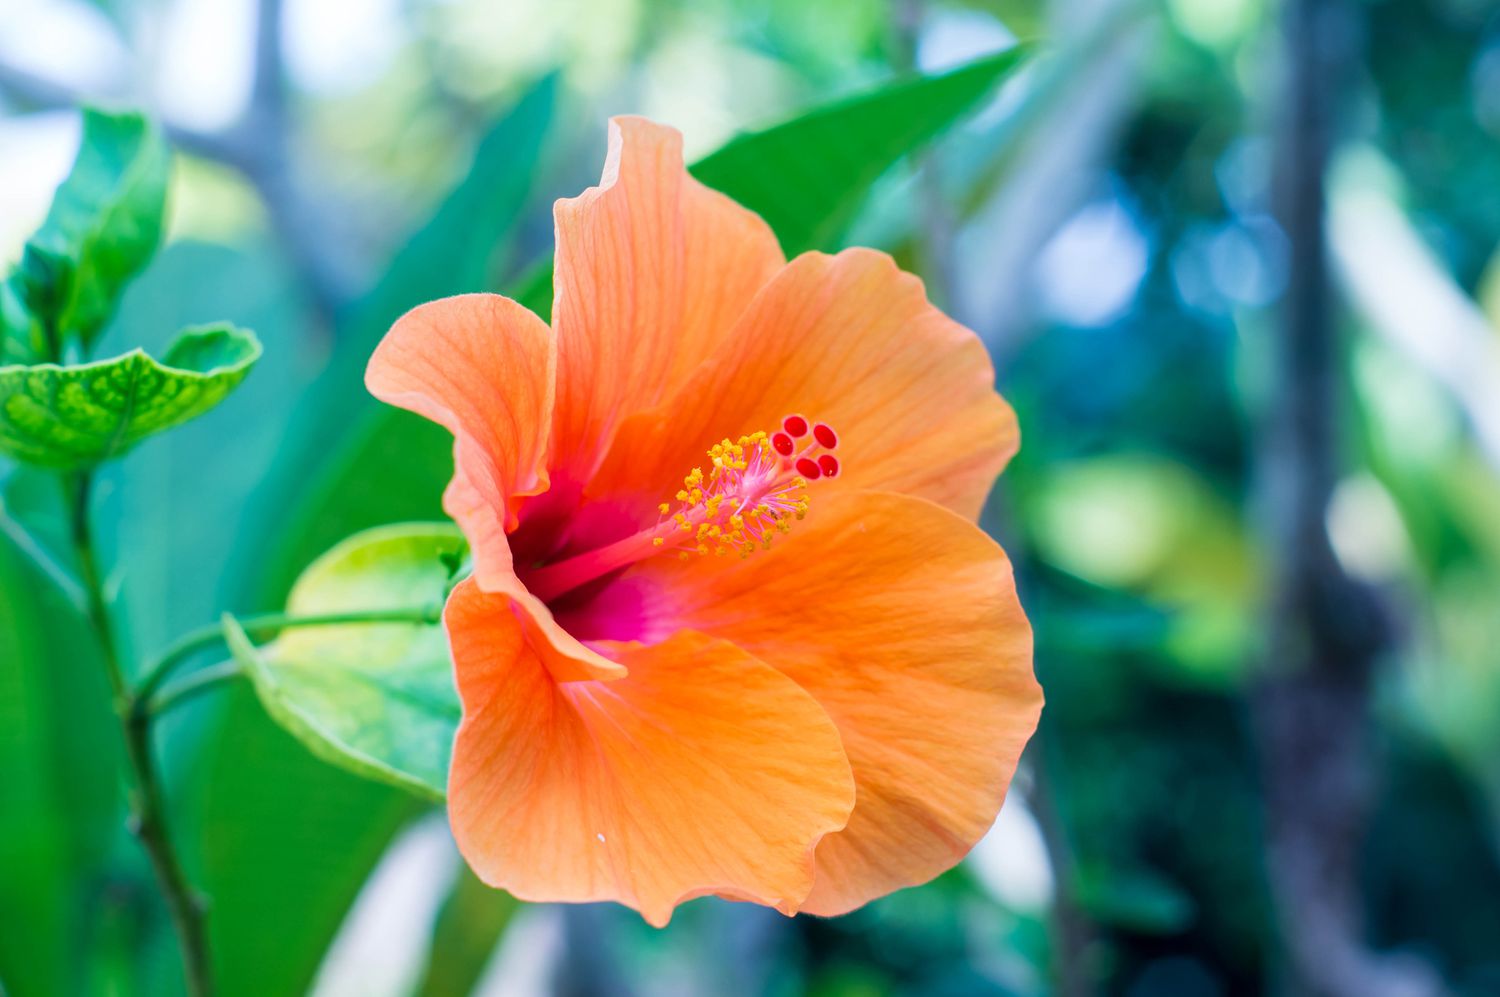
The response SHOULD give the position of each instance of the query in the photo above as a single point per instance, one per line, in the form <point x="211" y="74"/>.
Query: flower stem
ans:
<point x="147" y="806"/>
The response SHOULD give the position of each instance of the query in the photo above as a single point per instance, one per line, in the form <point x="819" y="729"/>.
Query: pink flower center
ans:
<point x="753" y="489"/>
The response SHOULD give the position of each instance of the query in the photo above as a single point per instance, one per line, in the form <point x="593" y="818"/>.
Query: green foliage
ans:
<point x="104" y="226"/>
<point x="1129" y="513"/>
<point x="375" y="698"/>
<point x="76" y="416"/>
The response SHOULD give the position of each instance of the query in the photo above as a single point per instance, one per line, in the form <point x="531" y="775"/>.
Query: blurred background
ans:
<point x="1237" y="263"/>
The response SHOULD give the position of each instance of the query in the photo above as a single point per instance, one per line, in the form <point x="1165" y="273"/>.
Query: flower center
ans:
<point x="752" y="490"/>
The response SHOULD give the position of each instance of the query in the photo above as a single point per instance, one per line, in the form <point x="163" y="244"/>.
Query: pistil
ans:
<point x="753" y="489"/>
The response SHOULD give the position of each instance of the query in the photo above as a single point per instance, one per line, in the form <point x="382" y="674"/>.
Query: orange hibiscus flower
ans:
<point x="731" y="628"/>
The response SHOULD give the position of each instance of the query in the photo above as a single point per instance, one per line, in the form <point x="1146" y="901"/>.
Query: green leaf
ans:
<point x="375" y="698"/>
<point x="70" y="417"/>
<point x="104" y="225"/>
<point x="808" y="177"/>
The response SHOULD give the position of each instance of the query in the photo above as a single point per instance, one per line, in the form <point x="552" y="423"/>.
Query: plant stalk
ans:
<point x="147" y="805"/>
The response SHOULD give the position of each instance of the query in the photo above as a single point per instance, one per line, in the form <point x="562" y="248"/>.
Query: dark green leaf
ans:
<point x="377" y="699"/>
<point x="70" y="417"/>
<point x="808" y="177"/>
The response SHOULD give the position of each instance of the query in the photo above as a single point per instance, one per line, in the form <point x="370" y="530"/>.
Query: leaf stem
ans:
<point x="212" y="635"/>
<point x="147" y="805"/>
<point x="191" y="685"/>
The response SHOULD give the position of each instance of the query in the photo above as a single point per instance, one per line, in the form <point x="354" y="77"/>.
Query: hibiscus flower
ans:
<point x="731" y="628"/>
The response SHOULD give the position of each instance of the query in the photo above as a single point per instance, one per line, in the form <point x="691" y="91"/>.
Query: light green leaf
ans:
<point x="104" y="225"/>
<point x="70" y="417"/>
<point x="375" y="698"/>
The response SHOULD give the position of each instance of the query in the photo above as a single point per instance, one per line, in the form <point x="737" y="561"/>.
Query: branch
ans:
<point x="268" y="91"/>
<point x="1327" y="632"/>
<point x="33" y="93"/>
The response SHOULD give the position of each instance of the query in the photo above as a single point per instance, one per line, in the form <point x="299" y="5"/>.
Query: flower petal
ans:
<point x="704" y="771"/>
<point x="901" y="619"/>
<point x="853" y="341"/>
<point x="653" y="269"/>
<point x="483" y="367"/>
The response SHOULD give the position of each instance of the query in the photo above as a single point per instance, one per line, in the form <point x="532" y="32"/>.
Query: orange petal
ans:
<point x="483" y="367"/>
<point x="704" y="771"/>
<point x="901" y="619"/>
<point x="653" y="269"/>
<point x="853" y="341"/>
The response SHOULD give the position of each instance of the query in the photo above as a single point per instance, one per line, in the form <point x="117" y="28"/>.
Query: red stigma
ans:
<point x="808" y="468"/>
<point x="829" y="465"/>
<point x="783" y="444"/>
<point x="795" y="425"/>
<point x="825" y="435"/>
